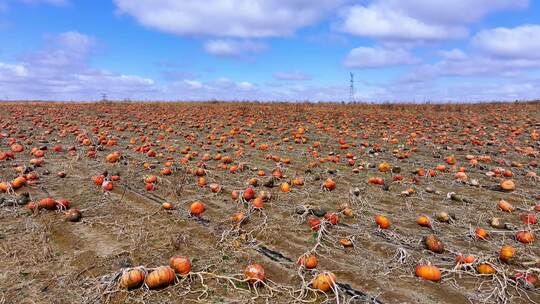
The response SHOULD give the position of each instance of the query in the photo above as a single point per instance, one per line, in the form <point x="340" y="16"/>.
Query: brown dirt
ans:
<point x="46" y="259"/>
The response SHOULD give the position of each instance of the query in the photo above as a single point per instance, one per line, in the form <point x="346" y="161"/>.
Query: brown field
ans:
<point x="417" y="150"/>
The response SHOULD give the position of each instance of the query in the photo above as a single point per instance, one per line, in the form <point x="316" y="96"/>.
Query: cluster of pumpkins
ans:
<point x="164" y="276"/>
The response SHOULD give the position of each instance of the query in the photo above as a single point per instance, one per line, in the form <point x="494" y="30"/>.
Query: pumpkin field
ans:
<point x="269" y="203"/>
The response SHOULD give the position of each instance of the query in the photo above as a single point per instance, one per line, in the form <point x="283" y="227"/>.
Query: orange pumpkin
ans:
<point x="249" y="194"/>
<point x="167" y="206"/>
<point x="433" y="243"/>
<point x="382" y="221"/>
<point x="254" y="273"/>
<point x="309" y="261"/>
<point x="47" y="203"/>
<point x="329" y="184"/>
<point x="324" y="281"/>
<point x="481" y="233"/>
<point x="132" y="279"/>
<point x="258" y="203"/>
<point x="506" y="253"/>
<point x="507" y="185"/>
<point x="284" y="187"/>
<point x="238" y="217"/>
<point x="150" y="179"/>
<point x="469" y="259"/>
<point x="98" y="180"/>
<point x="428" y="272"/>
<point x="486" y="269"/>
<point x="18" y="182"/>
<point x="180" y="264"/>
<point x="161" y="277"/>
<point x="525" y="237"/>
<point x="197" y="208"/>
<point x="215" y="188"/>
<point x="505" y="206"/>
<point x="423" y="221"/>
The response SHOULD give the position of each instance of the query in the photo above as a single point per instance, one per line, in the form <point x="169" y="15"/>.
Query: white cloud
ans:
<point x="453" y="54"/>
<point x="385" y="23"/>
<point x="292" y="75"/>
<point x="61" y="71"/>
<point x="424" y="20"/>
<point x="232" y="48"/>
<point x="17" y="70"/>
<point x="194" y="84"/>
<point x="231" y="18"/>
<point x="521" y="42"/>
<point x="367" y="57"/>
<point x="455" y="11"/>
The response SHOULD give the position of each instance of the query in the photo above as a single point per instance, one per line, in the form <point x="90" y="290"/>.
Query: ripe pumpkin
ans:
<point x="215" y="188"/>
<point x="347" y="243"/>
<point x="481" y="233"/>
<point x="107" y="185"/>
<point x="254" y="273"/>
<point x="18" y="182"/>
<point x="309" y="261"/>
<point x="47" y="203"/>
<point x="324" y="281"/>
<point x="507" y="185"/>
<point x="505" y="206"/>
<point x="150" y="179"/>
<point x="249" y="194"/>
<point x="197" y="208"/>
<point x="297" y="182"/>
<point x="528" y="218"/>
<point x="180" y="264"/>
<point x="506" y="253"/>
<point x="167" y="206"/>
<point x="433" y="243"/>
<point x="285" y="187"/>
<point x="331" y="217"/>
<point x="62" y="204"/>
<point x="384" y="167"/>
<point x="525" y="237"/>
<point x="428" y="272"/>
<point x="329" y="184"/>
<point x="382" y="221"/>
<point x="132" y="279"/>
<point x="258" y="203"/>
<point x="238" y="217"/>
<point x="98" y="180"/>
<point x="161" y="277"/>
<point x="314" y="223"/>
<point x="423" y="221"/>
<point x="486" y="269"/>
<point x="469" y="259"/>
<point x="201" y="181"/>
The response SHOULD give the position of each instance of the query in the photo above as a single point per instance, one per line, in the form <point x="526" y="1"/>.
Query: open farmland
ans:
<point x="401" y="203"/>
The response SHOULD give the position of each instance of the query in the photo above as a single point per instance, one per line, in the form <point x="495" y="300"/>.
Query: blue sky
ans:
<point x="399" y="50"/>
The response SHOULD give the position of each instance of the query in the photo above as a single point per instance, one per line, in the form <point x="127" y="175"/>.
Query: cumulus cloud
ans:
<point x="453" y="54"/>
<point x="415" y="20"/>
<point x="369" y="57"/>
<point x="385" y="23"/>
<point x="232" y="48"/>
<point x="61" y="70"/>
<point x="521" y="42"/>
<point x="230" y="18"/>
<point x="292" y="75"/>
